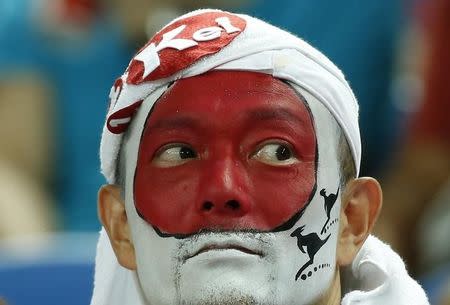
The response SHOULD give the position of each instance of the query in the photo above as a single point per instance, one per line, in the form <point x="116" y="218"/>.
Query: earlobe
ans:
<point x="361" y="204"/>
<point x="112" y="214"/>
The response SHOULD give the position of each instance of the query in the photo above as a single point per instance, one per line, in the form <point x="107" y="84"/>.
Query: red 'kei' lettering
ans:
<point x="172" y="49"/>
<point x="183" y="42"/>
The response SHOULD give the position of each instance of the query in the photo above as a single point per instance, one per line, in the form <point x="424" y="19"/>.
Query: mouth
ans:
<point x="217" y="247"/>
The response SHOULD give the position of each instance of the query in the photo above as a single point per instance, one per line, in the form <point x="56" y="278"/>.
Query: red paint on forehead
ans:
<point x="225" y="117"/>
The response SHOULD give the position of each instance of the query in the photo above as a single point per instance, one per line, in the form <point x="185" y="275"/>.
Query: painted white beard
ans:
<point x="168" y="277"/>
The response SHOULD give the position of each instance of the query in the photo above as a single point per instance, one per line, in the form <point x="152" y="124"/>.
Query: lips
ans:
<point x="223" y="246"/>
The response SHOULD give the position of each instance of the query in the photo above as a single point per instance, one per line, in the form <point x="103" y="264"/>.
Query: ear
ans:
<point x="361" y="205"/>
<point x="112" y="214"/>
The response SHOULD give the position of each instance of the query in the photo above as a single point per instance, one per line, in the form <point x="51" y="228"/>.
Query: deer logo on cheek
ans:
<point x="329" y="202"/>
<point x="312" y="242"/>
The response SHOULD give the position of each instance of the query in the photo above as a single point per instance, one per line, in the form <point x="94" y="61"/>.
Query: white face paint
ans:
<point x="289" y="269"/>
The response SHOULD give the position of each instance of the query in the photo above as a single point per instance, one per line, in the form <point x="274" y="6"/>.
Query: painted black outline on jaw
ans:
<point x="283" y="227"/>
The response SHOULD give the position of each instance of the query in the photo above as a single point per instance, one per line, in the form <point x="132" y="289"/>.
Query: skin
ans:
<point x="224" y="162"/>
<point x="361" y="198"/>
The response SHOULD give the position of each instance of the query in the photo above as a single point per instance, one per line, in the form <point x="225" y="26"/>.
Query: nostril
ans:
<point x="233" y="204"/>
<point x="207" y="205"/>
<point x="230" y="205"/>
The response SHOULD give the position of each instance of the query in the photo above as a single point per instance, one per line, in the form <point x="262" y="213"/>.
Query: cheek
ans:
<point x="281" y="195"/>
<point x="167" y="202"/>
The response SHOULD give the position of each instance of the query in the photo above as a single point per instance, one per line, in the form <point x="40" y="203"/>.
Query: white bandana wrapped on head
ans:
<point x="207" y="40"/>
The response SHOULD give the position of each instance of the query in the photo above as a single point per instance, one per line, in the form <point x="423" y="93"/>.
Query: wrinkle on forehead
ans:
<point x="270" y="91"/>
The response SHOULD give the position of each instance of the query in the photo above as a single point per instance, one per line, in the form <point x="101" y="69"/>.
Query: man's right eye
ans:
<point x="173" y="155"/>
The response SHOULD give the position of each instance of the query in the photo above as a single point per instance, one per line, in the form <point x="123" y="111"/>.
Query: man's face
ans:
<point x="225" y="151"/>
<point x="221" y="197"/>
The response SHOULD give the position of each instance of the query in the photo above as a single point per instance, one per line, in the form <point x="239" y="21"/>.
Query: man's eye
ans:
<point x="173" y="155"/>
<point x="276" y="154"/>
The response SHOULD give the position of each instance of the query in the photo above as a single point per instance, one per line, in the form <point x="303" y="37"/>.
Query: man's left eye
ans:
<point x="277" y="154"/>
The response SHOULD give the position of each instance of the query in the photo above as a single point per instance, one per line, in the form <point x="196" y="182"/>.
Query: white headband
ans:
<point x="215" y="40"/>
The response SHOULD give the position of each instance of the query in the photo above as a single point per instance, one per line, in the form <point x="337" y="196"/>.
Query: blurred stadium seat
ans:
<point x="47" y="269"/>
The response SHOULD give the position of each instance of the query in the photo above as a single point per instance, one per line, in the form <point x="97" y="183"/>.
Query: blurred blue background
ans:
<point x="59" y="59"/>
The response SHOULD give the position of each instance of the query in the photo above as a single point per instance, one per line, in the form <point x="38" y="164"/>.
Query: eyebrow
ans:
<point x="181" y="121"/>
<point x="278" y="114"/>
<point x="259" y="114"/>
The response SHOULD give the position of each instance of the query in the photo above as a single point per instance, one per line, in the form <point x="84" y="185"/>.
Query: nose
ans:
<point x="224" y="189"/>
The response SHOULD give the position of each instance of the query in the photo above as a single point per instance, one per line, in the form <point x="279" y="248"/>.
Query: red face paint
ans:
<point x="225" y="151"/>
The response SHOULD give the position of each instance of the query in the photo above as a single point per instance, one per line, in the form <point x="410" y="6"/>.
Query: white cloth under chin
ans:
<point x="377" y="276"/>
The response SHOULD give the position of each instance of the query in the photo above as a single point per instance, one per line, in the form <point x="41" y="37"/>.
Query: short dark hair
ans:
<point x="345" y="157"/>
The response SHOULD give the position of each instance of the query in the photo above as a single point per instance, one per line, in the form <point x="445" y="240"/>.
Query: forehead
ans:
<point x="230" y="95"/>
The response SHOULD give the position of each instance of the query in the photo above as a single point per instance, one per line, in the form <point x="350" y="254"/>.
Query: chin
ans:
<point x="226" y="277"/>
<point x="224" y="298"/>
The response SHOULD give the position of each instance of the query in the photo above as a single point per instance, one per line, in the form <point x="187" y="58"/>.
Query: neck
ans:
<point x="333" y="294"/>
